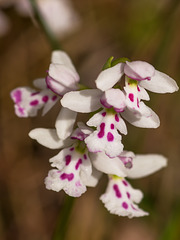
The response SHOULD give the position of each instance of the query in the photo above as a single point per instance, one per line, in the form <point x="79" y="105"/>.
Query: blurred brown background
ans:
<point x="140" y="30"/>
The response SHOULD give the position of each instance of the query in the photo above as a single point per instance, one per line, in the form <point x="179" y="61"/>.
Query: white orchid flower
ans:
<point x="28" y="101"/>
<point x="74" y="170"/>
<point x="141" y="75"/>
<point x="65" y="78"/>
<point x="120" y="198"/>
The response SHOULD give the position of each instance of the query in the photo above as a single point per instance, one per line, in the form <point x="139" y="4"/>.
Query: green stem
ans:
<point x="47" y="31"/>
<point x="62" y="224"/>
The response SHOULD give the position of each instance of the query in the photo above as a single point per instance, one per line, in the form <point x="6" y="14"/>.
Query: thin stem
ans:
<point x="62" y="224"/>
<point x="47" y="31"/>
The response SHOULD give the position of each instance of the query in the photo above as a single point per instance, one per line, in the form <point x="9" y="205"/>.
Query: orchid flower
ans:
<point x="74" y="169"/>
<point x="62" y="78"/>
<point x="140" y="76"/>
<point x="28" y="101"/>
<point x="120" y="198"/>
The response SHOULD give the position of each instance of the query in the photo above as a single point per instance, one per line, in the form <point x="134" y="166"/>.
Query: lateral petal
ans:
<point x="160" y="83"/>
<point x="48" y="138"/>
<point x="82" y="101"/>
<point x="109" y="77"/>
<point x="65" y="122"/>
<point x="147" y="121"/>
<point x="146" y="164"/>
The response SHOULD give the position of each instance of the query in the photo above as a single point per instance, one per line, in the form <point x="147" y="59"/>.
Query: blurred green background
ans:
<point x="140" y="30"/>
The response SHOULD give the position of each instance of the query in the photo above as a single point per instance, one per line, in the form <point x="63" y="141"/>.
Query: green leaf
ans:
<point x="108" y="63"/>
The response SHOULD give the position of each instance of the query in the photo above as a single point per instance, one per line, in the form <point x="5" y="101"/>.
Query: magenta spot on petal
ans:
<point x="34" y="103"/>
<point x="101" y="132"/>
<point x="104" y="114"/>
<point x="78" y="184"/>
<point x="133" y="207"/>
<point x="54" y="98"/>
<point x="131" y="97"/>
<point x="116" y="118"/>
<point x="85" y="157"/>
<point x="17" y="96"/>
<point x="117" y="191"/>
<point x="78" y="164"/>
<point x="21" y="111"/>
<point x="68" y="159"/>
<point x="110" y="137"/>
<point x="125" y="205"/>
<point x="34" y="93"/>
<point x="138" y="88"/>
<point x="128" y="194"/>
<point x="69" y="176"/>
<point x="137" y="102"/>
<point x="45" y="99"/>
<point x="125" y="183"/>
<point x="71" y="149"/>
<point x="112" y="126"/>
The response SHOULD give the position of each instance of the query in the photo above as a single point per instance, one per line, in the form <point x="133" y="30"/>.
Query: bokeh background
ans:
<point x="140" y="30"/>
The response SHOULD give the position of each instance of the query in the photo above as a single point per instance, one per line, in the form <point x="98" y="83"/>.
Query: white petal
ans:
<point x="160" y="83"/>
<point x="108" y="165"/>
<point x="144" y="165"/>
<point x="139" y="70"/>
<point x="60" y="57"/>
<point x="114" y="98"/>
<point x="65" y="123"/>
<point x="63" y="75"/>
<point x="142" y="93"/>
<point x="40" y="83"/>
<point x="121" y="126"/>
<point x="96" y="119"/>
<point x="151" y="121"/>
<point x="109" y="77"/>
<point x="48" y="138"/>
<point x="92" y="181"/>
<point x="86" y="130"/>
<point x="82" y="101"/>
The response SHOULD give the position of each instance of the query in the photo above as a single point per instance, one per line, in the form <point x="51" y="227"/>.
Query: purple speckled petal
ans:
<point x="121" y="199"/>
<point x="74" y="169"/>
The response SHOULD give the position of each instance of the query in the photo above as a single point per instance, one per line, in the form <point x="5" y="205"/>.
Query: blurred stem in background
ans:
<point x="54" y="43"/>
<point x="172" y="230"/>
<point x="62" y="224"/>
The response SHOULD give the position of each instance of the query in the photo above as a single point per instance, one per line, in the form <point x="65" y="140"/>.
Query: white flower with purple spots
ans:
<point x="74" y="169"/>
<point x="140" y="76"/>
<point x="108" y="121"/>
<point x="121" y="199"/>
<point x="106" y="138"/>
<point x="61" y="79"/>
<point x="28" y="101"/>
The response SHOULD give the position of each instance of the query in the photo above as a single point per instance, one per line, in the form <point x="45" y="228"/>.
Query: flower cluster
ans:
<point x="89" y="150"/>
